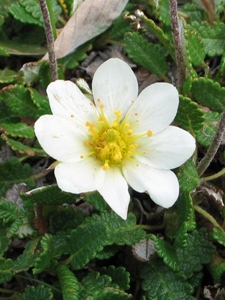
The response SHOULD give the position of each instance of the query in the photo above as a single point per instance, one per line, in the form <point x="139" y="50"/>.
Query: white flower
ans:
<point x="120" y="139"/>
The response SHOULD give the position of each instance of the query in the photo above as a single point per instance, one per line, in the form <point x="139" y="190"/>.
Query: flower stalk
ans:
<point x="177" y="43"/>
<point x="212" y="150"/>
<point x="49" y="38"/>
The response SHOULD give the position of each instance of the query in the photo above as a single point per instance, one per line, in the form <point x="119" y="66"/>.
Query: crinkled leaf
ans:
<point x="119" y="231"/>
<point x="189" y="116"/>
<point x="188" y="176"/>
<point x="206" y="134"/>
<point x="68" y="282"/>
<point x="19" y="13"/>
<point x="119" y="28"/>
<point x="53" y="246"/>
<point x="159" y="33"/>
<point x="21" y="130"/>
<point x="100" y="15"/>
<point x="18" y="99"/>
<point x="164" y="11"/>
<point x="85" y="241"/>
<point x="4" y="239"/>
<point x="185" y="209"/>
<point x="197" y="253"/>
<point x="49" y="195"/>
<point x="21" y="148"/>
<point x="161" y="282"/>
<point x="218" y="235"/>
<point x="209" y="93"/>
<point x="11" y="215"/>
<point x="6" y="270"/>
<point x="41" y="292"/>
<point x="212" y="37"/>
<point x="13" y="171"/>
<point x="26" y="260"/>
<point x="29" y="11"/>
<point x="97" y="200"/>
<point x="119" y="276"/>
<point x="100" y="287"/>
<point x="108" y="252"/>
<point x="150" y="56"/>
<point x="218" y="272"/>
<point x="40" y="101"/>
<point x="8" y="76"/>
<point x="195" y="47"/>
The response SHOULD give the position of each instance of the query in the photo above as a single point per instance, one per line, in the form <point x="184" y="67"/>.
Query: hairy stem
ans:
<point x="177" y="43"/>
<point x="49" y="39"/>
<point x="211" y="152"/>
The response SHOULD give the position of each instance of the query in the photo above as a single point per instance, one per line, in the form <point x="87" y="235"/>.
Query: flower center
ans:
<point x="112" y="143"/>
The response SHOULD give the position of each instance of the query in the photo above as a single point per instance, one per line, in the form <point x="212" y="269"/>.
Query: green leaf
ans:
<point x="108" y="252"/>
<point x="218" y="272"/>
<point x="218" y="235"/>
<point x="212" y="37"/>
<point x="6" y="269"/>
<point x="4" y="240"/>
<point x="19" y="100"/>
<point x="119" y="28"/>
<point x="26" y="260"/>
<point x="41" y="292"/>
<point x="198" y="252"/>
<point x="188" y="176"/>
<point x="11" y="215"/>
<point x="161" y="282"/>
<point x="97" y="200"/>
<point x="119" y="276"/>
<point x="164" y="12"/>
<point x="185" y="209"/>
<point x="52" y="246"/>
<point x="100" y="287"/>
<point x="159" y="34"/>
<point x="189" y="116"/>
<point x="195" y="47"/>
<point x="21" y="130"/>
<point x="85" y="241"/>
<point x="121" y="232"/>
<point x="28" y="11"/>
<point x="69" y="283"/>
<point x="21" y="148"/>
<point x="8" y="76"/>
<point x="41" y="102"/>
<point x="209" y="93"/>
<point x="20" y="13"/>
<point x="13" y="171"/>
<point x="206" y="134"/>
<point x="49" y="195"/>
<point x="151" y="56"/>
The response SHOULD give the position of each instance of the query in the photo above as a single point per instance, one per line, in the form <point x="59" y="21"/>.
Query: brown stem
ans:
<point x="49" y="39"/>
<point x="211" y="152"/>
<point x="177" y="43"/>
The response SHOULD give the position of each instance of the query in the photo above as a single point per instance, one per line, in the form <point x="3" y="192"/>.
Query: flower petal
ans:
<point x="66" y="100"/>
<point x="161" y="185"/>
<point x="154" y="109"/>
<point x="61" y="138"/>
<point x="115" y="84"/>
<point x="81" y="177"/>
<point x="166" y="150"/>
<point x="115" y="192"/>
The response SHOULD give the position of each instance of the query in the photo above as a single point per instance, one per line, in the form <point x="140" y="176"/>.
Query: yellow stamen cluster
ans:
<point x="112" y="143"/>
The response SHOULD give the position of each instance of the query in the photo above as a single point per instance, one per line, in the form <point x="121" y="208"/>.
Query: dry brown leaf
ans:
<point x="90" y="19"/>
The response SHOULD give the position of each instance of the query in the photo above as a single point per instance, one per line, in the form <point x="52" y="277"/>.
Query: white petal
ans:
<point x="115" y="84"/>
<point x="166" y="150"/>
<point x="61" y="138"/>
<point x="161" y="185"/>
<point x="81" y="177"/>
<point x="154" y="109"/>
<point x="66" y="100"/>
<point x="115" y="192"/>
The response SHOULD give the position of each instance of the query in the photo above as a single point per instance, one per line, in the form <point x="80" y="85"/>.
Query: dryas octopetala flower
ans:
<point x="117" y="140"/>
